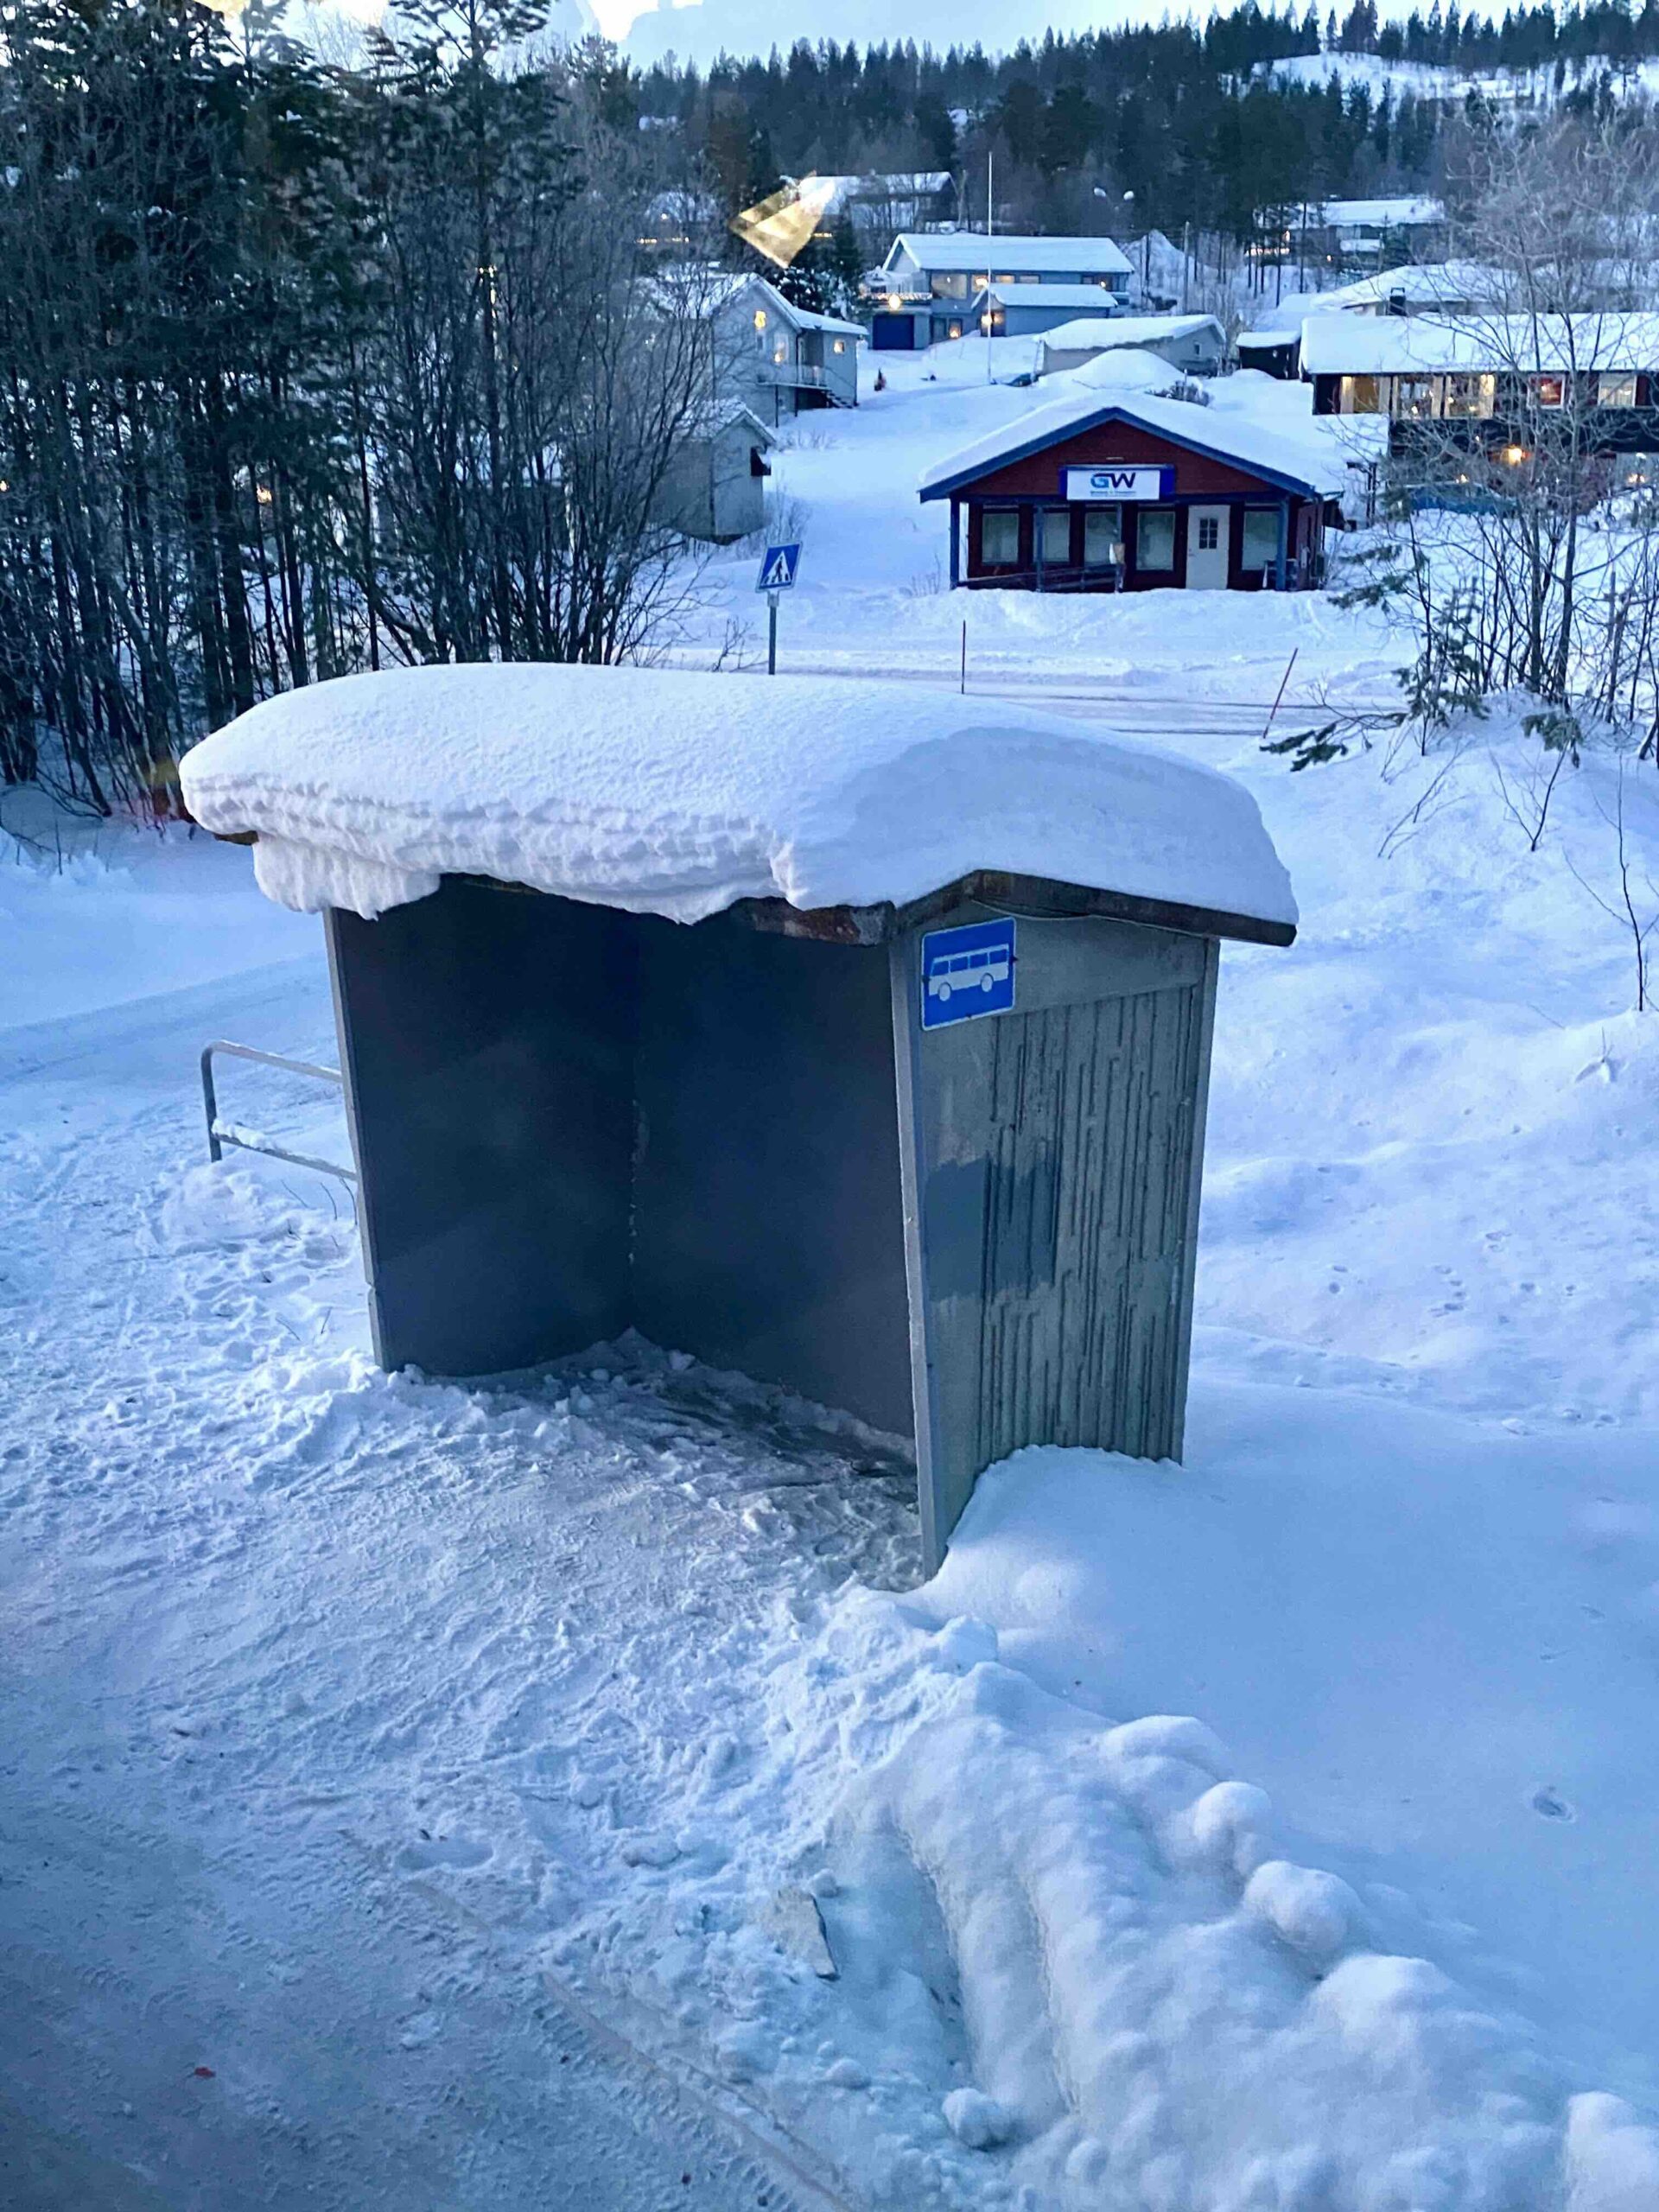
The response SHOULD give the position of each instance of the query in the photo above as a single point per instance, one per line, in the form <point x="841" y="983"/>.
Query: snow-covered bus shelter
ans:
<point x="852" y="1035"/>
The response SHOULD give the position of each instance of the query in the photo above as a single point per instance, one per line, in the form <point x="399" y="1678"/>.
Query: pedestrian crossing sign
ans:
<point x="777" y="570"/>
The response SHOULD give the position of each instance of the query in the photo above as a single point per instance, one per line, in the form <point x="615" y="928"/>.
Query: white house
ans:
<point x="715" y="487"/>
<point x="1195" y="343"/>
<point x="931" y="280"/>
<point x="764" y="361"/>
<point x="1018" y="310"/>
<point x="880" y="203"/>
<point x="776" y="358"/>
<point x="1358" y="230"/>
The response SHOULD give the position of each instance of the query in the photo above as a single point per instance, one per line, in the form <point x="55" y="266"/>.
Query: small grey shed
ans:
<point x="850" y="1034"/>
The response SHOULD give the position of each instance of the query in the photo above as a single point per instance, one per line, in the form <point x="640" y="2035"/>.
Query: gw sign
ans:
<point x="1118" y="483"/>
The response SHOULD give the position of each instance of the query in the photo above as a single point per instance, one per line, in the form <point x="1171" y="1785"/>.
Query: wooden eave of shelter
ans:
<point x="1028" y="898"/>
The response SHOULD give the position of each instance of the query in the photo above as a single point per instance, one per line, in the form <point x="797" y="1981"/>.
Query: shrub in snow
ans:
<point x="1315" y="1913"/>
<point x="977" y="2120"/>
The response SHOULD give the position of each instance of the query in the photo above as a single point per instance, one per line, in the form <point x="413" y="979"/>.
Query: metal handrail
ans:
<point x="218" y="1135"/>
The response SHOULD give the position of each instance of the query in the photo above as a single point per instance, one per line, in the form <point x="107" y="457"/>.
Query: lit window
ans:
<point x="999" y="537"/>
<point x="1616" y="392"/>
<point x="759" y="318"/>
<point x="1415" y="397"/>
<point x="1471" y="397"/>
<point x="1550" y="392"/>
<point x="955" y="330"/>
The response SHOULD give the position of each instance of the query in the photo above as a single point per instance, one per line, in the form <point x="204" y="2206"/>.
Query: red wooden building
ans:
<point x="1134" y="494"/>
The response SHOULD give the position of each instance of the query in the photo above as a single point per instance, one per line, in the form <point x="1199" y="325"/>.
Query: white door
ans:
<point x="1206" y="547"/>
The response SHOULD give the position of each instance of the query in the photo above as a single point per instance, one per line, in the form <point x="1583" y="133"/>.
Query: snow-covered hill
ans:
<point x="1426" y="81"/>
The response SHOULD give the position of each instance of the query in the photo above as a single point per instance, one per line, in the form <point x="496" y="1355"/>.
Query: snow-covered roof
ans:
<point x="948" y="250"/>
<point x="669" y="793"/>
<point x="1427" y="284"/>
<point x="1272" y="337"/>
<point x="1423" y="285"/>
<point x="1384" y="214"/>
<point x="1050" y="296"/>
<point x="1227" y="437"/>
<point x="897" y="184"/>
<point x="1104" y="331"/>
<point x="1127" y="368"/>
<point x="837" y="326"/>
<point x="1362" y="344"/>
<point x="712" y="293"/>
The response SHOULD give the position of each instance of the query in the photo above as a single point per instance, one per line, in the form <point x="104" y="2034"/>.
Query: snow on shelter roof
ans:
<point x="669" y="793"/>
<point x="1298" y="465"/>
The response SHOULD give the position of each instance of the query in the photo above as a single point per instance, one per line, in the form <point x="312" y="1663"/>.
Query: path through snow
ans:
<point x="298" y="1666"/>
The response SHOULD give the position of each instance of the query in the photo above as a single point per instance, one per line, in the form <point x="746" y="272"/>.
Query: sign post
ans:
<point x="777" y="573"/>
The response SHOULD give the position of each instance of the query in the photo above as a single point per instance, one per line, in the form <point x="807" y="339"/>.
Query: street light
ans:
<point x="1101" y="193"/>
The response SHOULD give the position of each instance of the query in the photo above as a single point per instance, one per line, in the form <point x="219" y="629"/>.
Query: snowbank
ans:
<point x="666" y="792"/>
<point x="1131" y="367"/>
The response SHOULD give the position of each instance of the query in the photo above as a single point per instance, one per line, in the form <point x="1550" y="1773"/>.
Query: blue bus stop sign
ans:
<point x="777" y="570"/>
<point x="968" y="971"/>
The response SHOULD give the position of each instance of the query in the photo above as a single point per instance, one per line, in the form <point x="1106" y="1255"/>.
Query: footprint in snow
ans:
<point x="443" y="1850"/>
<point x="1550" y="1806"/>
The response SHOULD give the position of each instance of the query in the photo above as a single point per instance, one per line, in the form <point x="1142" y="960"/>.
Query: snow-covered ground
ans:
<point x="874" y="596"/>
<point x="463" y="1776"/>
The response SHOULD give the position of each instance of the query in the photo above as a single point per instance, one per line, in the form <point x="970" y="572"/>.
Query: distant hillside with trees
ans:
<point x="1171" y="112"/>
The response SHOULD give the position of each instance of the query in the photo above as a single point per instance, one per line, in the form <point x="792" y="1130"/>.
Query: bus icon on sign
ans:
<point x="966" y="972"/>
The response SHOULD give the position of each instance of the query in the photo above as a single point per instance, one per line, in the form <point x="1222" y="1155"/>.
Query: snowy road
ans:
<point x="236" y="1969"/>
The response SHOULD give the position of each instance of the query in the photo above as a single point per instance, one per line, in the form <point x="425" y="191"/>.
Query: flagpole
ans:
<point x="991" y="233"/>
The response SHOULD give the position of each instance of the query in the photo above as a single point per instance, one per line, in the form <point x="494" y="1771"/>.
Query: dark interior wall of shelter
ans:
<point x="486" y="1042"/>
<point x="769" y="1223"/>
<point x="570" y="1120"/>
